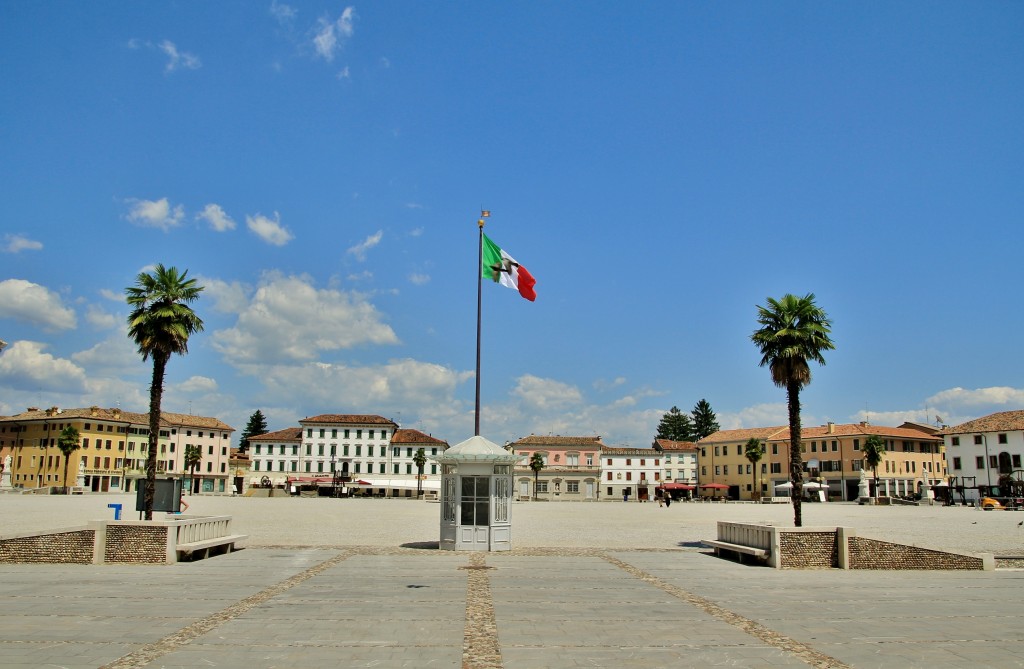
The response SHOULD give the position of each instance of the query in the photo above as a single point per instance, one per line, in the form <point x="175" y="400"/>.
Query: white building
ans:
<point x="275" y="456"/>
<point x="680" y="460"/>
<point x="369" y="453"/>
<point x="630" y="473"/>
<point x="980" y="451"/>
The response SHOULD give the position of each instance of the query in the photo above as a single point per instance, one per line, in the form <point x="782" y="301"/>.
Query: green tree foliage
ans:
<point x="794" y="331"/>
<point x="193" y="456"/>
<point x="67" y="442"/>
<point x="536" y="464"/>
<point x="420" y="460"/>
<point x="675" y="426"/>
<point x="874" y="453"/>
<point x="705" y="421"/>
<point x="754" y="451"/>
<point x="257" y="425"/>
<point x="160" y="324"/>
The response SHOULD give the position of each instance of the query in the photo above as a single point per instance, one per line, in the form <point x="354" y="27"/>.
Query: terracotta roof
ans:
<point x="188" y="420"/>
<point x="673" y="446"/>
<point x="853" y="429"/>
<point x="609" y="450"/>
<point x="1003" y="421"/>
<point x="537" y="440"/>
<point x="287" y="434"/>
<point x="745" y="434"/>
<point x="348" y="419"/>
<point x="117" y="415"/>
<point x="415" y="437"/>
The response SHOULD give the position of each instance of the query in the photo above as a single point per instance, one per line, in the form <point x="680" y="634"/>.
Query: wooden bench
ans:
<point x="760" y="553"/>
<point x="200" y="550"/>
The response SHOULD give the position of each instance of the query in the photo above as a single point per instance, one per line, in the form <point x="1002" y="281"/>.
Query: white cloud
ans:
<point x="360" y="249"/>
<point x="24" y="366"/>
<point x="956" y="398"/>
<point x="108" y="294"/>
<point x="419" y="279"/>
<point x="197" y="384"/>
<point x="216" y="217"/>
<point x="270" y="231"/>
<point x="330" y="34"/>
<point x="759" y="415"/>
<point x="113" y="356"/>
<point x="98" y="318"/>
<point x="416" y="232"/>
<point x="545" y="393"/>
<point x="284" y="14"/>
<point x="228" y="298"/>
<point x="31" y="303"/>
<point x="155" y="213"/>
<point x="344" y="73"/>
<point x="289" y="319"/>
<point x="176" y="59"/>
<point x="19" y="243"/>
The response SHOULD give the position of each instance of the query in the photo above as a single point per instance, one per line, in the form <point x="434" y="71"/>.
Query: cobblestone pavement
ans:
<point x="361" y="583"/>
<point x="530" y="608"/>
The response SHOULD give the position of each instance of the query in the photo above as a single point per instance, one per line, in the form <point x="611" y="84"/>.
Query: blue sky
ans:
<point x="661" y="168"/>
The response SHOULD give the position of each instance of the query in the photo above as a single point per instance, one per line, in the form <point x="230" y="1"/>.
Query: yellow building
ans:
<point x="113" y="447"/>
<point x="832" y="458"/>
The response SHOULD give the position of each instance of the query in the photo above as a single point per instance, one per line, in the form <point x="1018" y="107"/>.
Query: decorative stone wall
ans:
<point x="136" y="544"/>
<point x="808" y="550"/>
<point x="70" y="547"/>
<point x="874" y="554"/>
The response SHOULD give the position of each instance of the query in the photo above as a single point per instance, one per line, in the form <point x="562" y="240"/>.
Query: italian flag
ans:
<point x="502" y="268"/>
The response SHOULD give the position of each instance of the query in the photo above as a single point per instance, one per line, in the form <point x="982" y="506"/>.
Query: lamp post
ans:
<point x="334" y="476"/>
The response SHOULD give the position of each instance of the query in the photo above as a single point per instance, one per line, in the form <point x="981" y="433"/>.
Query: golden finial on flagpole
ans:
<point x="484" y="213"/>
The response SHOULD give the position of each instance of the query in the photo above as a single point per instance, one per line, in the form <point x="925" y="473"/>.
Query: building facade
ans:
<point x="630" y="473"/>
<point x="982" y="453"/>
<point x="832" y="458"/>
<point x="679" y="461"/>
<point x="571" y="472"/>
<point x="366" y="454"/>
<point x="113" y="448"/>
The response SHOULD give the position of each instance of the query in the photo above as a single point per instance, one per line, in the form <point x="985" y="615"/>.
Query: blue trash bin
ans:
<point x="117" y="510"/>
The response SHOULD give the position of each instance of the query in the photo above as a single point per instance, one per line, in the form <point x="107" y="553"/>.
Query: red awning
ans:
<point x="715" y="486"/>
<point x="675" y="486"/>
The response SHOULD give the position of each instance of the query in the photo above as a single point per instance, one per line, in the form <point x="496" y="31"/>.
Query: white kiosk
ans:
<point x="476" y="496"/>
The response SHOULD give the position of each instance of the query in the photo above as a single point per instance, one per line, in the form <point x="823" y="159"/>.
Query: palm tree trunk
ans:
<point x="156" y="391"/>
<point x="66" y="458"/>
<point x="796" y="460"/>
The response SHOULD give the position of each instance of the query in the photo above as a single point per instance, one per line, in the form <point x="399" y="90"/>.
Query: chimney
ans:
<point x="94" y="411"/>
<point x="831" y="427"/>
<point x="32" y="409"/>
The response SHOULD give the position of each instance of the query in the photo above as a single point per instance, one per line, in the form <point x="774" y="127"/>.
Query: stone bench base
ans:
<point x="199" y="550"/>
<point x="739" y="550"/>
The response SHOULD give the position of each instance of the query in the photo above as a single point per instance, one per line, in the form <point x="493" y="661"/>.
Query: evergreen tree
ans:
<point x="257" y="425"/>
<point x="675" y="426"/>
<point x="705" y="421"/>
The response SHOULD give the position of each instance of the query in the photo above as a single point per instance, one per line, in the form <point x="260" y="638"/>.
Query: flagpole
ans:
<point x="479" y="302"/>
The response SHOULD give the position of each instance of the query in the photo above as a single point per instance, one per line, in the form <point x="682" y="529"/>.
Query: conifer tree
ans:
<point x="257" y="425"/>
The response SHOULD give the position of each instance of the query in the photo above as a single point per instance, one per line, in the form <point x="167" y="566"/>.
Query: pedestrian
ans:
<point x="661" y="501"/>
<point x="668" y="500"/>
<point x="184" y="505"/>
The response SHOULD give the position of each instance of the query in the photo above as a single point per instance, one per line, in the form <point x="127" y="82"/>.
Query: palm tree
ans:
<point x="874" y="452"/>
<point x="160" y="324"/>
<point x="419" y="459"/>
<point x="193" y="456"/>
<point x="536" y="464"/>
<point x="754" y="451"/>
<point x="794" y="331"/>
<point x="67" y="442"/>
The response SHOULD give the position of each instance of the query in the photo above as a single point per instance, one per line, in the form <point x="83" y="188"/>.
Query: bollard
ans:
<point x="117" y="510"/>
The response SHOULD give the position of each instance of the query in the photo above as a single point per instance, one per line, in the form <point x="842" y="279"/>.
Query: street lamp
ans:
<point x="334" y="477"/>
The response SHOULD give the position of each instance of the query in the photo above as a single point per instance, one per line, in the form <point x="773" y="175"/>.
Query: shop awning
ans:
<point x="397" y="484"/>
